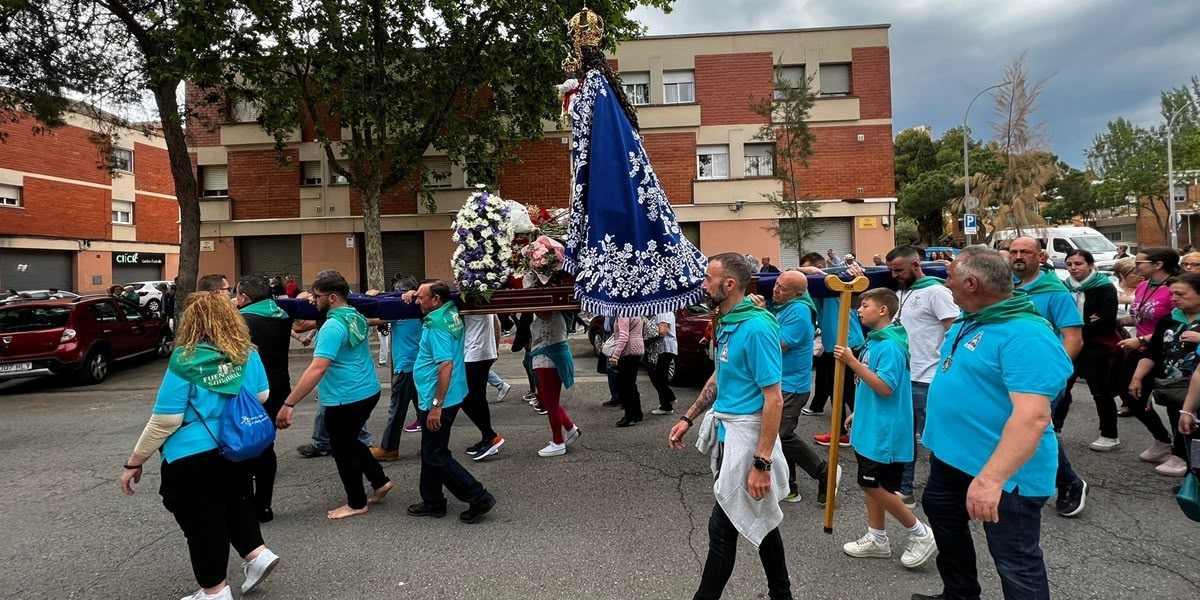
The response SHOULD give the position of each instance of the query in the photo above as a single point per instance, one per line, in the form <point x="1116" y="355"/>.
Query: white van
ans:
<point x="1059" y="241"/>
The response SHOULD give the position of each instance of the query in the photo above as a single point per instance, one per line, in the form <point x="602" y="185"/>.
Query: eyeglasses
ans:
<point x="1144" y="262"/>
<point x="316" y="295"/>
<point x="1188" y="265"/>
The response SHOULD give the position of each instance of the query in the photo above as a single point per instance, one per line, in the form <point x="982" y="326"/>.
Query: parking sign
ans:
<point x="970" y="224"/>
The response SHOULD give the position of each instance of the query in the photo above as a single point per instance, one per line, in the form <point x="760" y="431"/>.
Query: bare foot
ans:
<point x="345" y="511"/>
<point x="377" y="496"/>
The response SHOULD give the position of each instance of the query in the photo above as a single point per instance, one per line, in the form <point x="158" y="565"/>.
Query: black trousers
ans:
<point x="823" y="389"/>
<point x="261" y="471"/>
<point x="354" y="459"/>
<point x="475" y="405"/>
<point x="439" y="469"/>
<point x="722" y="550"/>
<point x="662" y="384"/>
<point x="627" y="389"/>
<point x="205" y="494"/>
<point x="1144" y="411"/>
<point x="1095" y="364"/>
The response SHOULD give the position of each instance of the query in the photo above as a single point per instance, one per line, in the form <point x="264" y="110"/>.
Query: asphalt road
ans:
<point x="621" y="516"/>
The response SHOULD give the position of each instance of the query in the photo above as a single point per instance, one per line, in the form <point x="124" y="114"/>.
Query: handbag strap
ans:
<point x="192" y="394"/>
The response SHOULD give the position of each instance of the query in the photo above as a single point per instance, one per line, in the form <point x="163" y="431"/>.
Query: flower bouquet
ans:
<point x="484" y="235"/>
<point x="544" y="257"/>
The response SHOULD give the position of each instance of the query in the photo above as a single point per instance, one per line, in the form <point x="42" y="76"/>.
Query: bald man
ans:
<point x="797" y="315"/>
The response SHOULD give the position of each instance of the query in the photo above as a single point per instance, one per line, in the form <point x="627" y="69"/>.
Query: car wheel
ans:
<point x="153" y="305"/>
<point x="95" y="367"/>
<point x="166" y="344"/>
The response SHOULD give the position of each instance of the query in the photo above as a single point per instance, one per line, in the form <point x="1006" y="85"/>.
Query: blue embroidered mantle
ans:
<point x="624" y="245"/>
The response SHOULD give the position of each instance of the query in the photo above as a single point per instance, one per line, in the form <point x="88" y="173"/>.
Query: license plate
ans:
<point x="16" y="367"/>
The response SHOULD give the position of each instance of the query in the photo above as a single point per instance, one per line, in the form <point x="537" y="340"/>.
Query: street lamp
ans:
<point x="1171" y="175"/>
<point x="966" y="138"/>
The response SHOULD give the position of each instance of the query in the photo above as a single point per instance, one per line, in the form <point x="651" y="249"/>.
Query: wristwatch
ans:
<point x="762" y="464"/>
<point x="436" y="403"/>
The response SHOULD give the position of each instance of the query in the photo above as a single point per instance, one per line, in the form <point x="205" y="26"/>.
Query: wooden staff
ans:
<point x="845" y="289"/>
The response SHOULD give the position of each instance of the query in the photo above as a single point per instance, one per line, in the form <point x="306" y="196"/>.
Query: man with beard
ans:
<point x="926" y="311"/>
<point x="747" y="405"/>
<point x="1055" y="303"/>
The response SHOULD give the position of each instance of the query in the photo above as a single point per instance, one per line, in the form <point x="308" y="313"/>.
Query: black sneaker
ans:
<point x="928" y="597"/>
<point x="611" y="404"/>
<point x="311" y="451"/>
<point x="265" y="515"/>
<point x="822" y="490"/>
<point x="540" y="409"/>
<point x="421" y="509"/>
<point x="475" y="513"/>
<point x="1072" y="499"/>
<point x="473" y="450"/>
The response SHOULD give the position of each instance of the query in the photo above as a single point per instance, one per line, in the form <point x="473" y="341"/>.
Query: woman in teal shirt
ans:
<point x="213" y="360"/>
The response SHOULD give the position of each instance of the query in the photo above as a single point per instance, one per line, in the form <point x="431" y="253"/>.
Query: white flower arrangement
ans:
<point x="484" y="236"/>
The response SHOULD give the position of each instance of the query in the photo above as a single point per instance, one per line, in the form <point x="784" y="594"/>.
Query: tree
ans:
<point x="926" y="170"/>
<point x="926" y="201"/>
<point x="786" y="112"/>
<point x="1131" y="163"/>
<point x="111" y="53"/>
<point x="1073" y="194"/>
<point x="473" y="81"/>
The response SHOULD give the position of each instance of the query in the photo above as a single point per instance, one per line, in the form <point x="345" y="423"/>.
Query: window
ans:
<point x="760" y="160"/>
<point x="338" y="178"/>
<point x="244" y="110"/>
<point x="104" y="312"/>
<point x="712" y="162"/>
<point x="480" y="172"/>
<point x="793" y="78"/>
<point x="835" y="80"/>
<point x="1180" y="198"/>
<point x="214" y="180"/>
<point x="122" y="212"/>
<point x="436" y="171"/>
<point x="678" y="87"/>
<point x="132" y="313"/>
<point x="1061" y="245"/>
<point x="122" y="159"/>
<point x="10" y="195"/>
<point x="310" y="172"/>
<point x="1113" y="235"/>
<point x="637" y="87"/>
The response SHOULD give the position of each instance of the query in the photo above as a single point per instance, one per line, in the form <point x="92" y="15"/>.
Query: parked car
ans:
<point x="693" y="331"/>
<point x="80" y="337"/>
<point x="39" y="295"/>
<point x="150" y="296"/>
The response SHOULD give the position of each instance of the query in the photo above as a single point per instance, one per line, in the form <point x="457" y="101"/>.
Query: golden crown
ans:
<point x="587" y="28"/>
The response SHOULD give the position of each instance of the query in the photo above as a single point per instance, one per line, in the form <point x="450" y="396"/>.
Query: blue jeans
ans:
<point x="320" y="436"/>
<point x="494" y="380"/>
<point x="1014" y="542"/>
<point x="614" y="386"/>
<point x="404" y="392"/>
<point x="920" y="395"/>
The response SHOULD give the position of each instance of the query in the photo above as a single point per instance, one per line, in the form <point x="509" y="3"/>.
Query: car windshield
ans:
<point x="1094" y="243"/>
<point x="17" y="319"/>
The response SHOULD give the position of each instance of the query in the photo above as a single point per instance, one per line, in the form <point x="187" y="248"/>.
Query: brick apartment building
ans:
<point x="692" y="94"/>
<point x="66" y="222"/>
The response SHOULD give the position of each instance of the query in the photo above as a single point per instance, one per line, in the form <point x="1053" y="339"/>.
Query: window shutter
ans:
<point x="677" y="77"/>
<point x="216" y="178"/>
<point x="635" y="78"/>
<point x="437" y="171"/>
<point x="312" y="172"/>
<point x="835" y="80"/>
<point x="10" y="191"/>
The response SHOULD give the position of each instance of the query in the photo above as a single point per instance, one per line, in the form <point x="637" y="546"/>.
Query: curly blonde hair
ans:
<point x="212" y="319"/>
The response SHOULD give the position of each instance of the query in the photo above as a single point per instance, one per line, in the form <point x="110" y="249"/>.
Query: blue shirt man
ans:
<point x="441" y="342"/>
<point x="351" y="374"/>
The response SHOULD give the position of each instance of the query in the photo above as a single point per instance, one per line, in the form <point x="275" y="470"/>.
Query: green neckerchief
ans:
<point x="445" y="319"/>
<point x="1046" y="283"/>
<point x="926" y="281"/>
<point x="207" y="367"/>
<point x="356" y="324"/>
<point x="804" y="299"/>
<point x="1097" y="279"/>
<point x="894" y="333"/>
<point x="1018" y="306"/>
<point x="746" y="310"/>
<point x="264" y="308"/>
<point x="1179" y="317"/>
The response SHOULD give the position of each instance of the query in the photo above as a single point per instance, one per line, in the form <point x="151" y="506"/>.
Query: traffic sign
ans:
<point x="972" y="203"/>
<point x="970" y="224"/>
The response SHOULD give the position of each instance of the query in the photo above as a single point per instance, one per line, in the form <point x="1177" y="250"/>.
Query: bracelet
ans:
<point x="687" y="420"/>
<point x="133" y="467"/>
<point x="289" y="405"/>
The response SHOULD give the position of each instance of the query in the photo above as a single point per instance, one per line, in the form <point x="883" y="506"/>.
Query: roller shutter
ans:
<point x="36" y="270"/>
<point x="832" y="232"/>
<point x="270" y="256"/>
<point x="123" y="274"/>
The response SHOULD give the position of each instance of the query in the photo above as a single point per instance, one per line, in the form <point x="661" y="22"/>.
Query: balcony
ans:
<point x="652" y="116"/>
<point x="726" y="191"/>
<point x="215" y="209"/>
<point x="242" y="134"/>
<point x="841" y="108"/>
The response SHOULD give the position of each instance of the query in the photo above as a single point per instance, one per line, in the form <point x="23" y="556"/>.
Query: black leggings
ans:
<point x="1098" y="365"/>
<point x="354" y="459"/>
<point x="1141" y="407"/>
<point x="205" y="494"/>
<point x="475" y="405"/>
<point x="627" y="388"/>
<point x="261" y="471"/>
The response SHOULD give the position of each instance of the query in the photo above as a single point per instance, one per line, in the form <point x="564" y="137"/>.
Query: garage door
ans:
<point x="270" y="256"/>
<point x="832" y="232"/>
<point x="129" y="273"/>
<point x="36" y="270"/>
<point x="403" y="253"/>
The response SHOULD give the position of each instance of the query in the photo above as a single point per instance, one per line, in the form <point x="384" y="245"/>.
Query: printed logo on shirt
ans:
<point x="724" y="353"/>
<point x="974" y="341"/>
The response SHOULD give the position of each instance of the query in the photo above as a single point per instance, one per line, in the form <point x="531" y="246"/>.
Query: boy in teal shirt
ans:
<point x="882" y="435"/>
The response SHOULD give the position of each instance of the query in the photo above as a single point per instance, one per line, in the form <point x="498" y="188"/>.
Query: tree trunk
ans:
<point x="185" y="193"/>
<point x="374" y="237"/>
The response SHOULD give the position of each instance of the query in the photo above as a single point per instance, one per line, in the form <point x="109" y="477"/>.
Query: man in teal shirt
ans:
<point x="994" y="458"/>
<point x="441" y="379"/>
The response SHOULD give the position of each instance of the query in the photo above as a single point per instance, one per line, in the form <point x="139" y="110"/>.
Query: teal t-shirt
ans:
<point x="969" y="402"/>
<point x="883" y="426"/>
<point x="1059" y="308"/>
<point x="351" y="375"/>
<point x="192" y="438"/>
<point x="438" y="346"/>
<point x="797" y="331"/>
<point x="406" y="338"/>
<point x="829" y="325"/>
<point x="748" y="359"/>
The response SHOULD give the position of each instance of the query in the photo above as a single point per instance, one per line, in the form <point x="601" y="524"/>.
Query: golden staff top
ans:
<point x="587" y="29"/>
<point x="845" y="290"/>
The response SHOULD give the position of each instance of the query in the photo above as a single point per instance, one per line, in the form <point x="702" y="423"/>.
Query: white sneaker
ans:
<point x="531" y="398"/>
<point x="503" y="391"/>
<point x="257" y="570"/>
<point x="1105" y="444"/>
<point x="919" y="551"/>
<point x="224" y="594"/>
<point x="659" y="411"/>
<point x="867" y="547"/>
<point x="553" y="449"/>
<point x="1173" y="467"/>
<point x="572" y="435"/>
<point x="1156" y="453"/>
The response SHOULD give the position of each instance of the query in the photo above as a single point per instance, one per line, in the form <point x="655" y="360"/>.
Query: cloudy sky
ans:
<point x="1104" y="58"/>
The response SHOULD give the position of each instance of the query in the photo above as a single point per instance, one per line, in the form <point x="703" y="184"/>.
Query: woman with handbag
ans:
<point x="1099" y="358"/>
<point x="626" y="356"/>
<point x="212" y="362"/>
<point x="1166" y="369"/>
<point x="1151" y="303"/>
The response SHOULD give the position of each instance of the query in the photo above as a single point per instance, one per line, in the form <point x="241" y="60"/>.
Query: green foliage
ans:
<point x="906" y="232"/>
<point x="1130" y="162"/>
<point x="787" y="112"/>
<point x="926" y="174"/>
<point x="1072" y="194"/>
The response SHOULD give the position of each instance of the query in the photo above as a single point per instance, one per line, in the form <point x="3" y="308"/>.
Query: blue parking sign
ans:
<point x="970" y="224"/>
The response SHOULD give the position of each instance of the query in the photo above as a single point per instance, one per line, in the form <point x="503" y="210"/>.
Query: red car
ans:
<point x="693" y="331"/>
<point x="80" y="337"/>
